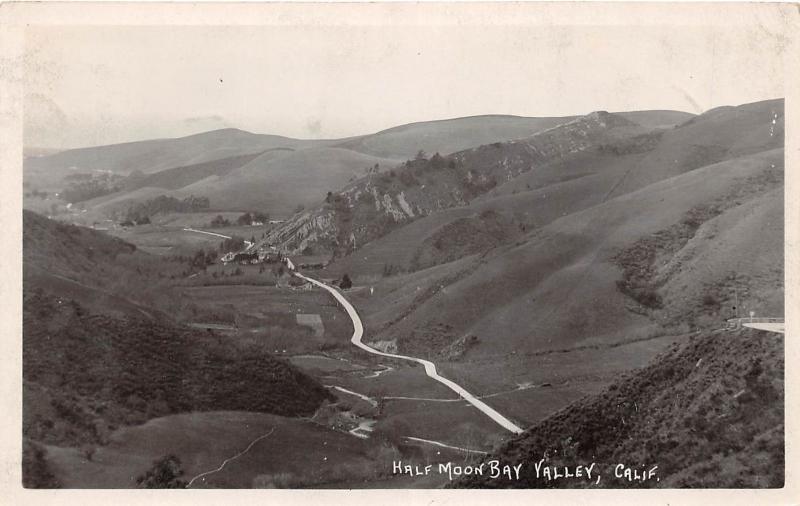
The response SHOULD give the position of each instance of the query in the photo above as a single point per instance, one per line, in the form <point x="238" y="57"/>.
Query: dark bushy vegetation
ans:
<point x="709" y="412"/>
<point x="219" y="221"/>
<point x="165" y="473"/>
<point x="178" y="177"/>
<point x="141" y="212"/>
<point x="638" y="261"/>
<point x="252" y="217"/>
<point x="631" y="145"/>
<point x="35" y="471"/>
<point x="463" y="237"/>
<point x="87" y="374"/>
<point x="81" y="187"/>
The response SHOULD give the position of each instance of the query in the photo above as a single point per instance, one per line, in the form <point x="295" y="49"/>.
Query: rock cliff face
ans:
<point x="377" y="203"/>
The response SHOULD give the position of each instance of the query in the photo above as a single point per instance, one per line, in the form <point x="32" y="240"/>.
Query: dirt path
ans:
<point x="226" y="461"/>
<point x="247" y="244"/>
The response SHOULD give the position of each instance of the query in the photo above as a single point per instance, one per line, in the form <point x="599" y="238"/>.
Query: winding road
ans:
<point x="430" y="368"/>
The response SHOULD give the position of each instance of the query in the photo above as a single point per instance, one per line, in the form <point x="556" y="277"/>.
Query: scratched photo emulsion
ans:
<point x="403" y="254"/>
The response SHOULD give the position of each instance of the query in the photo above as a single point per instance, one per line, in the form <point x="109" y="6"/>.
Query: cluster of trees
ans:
<point x="81" y="187"/>
<point x="248" y="218"/>
<point x="410" y="170"/>
<point x="203" y="259"/>
<point x="235" y="243"/>
<point x="422" y="163"/>
<point x="252" y="217"/>
<point x="219" y="221"/>
<point x="141" y="212"/>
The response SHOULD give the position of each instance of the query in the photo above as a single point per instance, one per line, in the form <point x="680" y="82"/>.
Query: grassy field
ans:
<point x="203" y="441"/>
<point x="171" y="239"/>
<point x="266" y="314"/>
<point x="294" y="453"/>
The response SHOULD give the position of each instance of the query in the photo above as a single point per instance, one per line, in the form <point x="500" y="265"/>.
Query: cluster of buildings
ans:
<point x="266" y="255"/>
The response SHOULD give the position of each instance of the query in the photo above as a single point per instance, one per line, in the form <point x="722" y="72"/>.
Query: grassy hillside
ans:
<point x="178" y="177"/>
<point x="448" y="136"/>
<point x="101" y="272"/>
<point x="160" y="154"/>
<point x="379" y="203"/>
<point x="277" y="182"/>
<point x="708" y="412"/>
<point x="716" y="135"/>
<point x="589" y="177"/>
<point x="295" y="452"/>
<point x="657" y="119"/>
<point x="451" y="135"/>
<point x="97" y="355"/>
<point x="558" y="286"/>
<point x="86" y="374"/>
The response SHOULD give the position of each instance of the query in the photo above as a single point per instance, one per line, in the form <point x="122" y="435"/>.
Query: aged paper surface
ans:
<point x="384" y="65"/>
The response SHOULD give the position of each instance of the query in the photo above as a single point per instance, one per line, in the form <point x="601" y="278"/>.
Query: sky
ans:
<point x="95" y="85"/>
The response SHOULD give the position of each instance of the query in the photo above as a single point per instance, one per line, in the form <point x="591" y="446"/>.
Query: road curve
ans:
<point x="430" y="368"/>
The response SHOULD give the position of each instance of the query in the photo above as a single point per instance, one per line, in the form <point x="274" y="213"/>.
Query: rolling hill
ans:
<point x="597" y="269"/>
<point x="160" y="154"/>
<point x="279" y="182"/>
<point x="586" y="178"/>
<point x="533" y="271"/>
<point x="273" y="173"/>
<point x="558" y="286"/>
<point x="101" y="349"/>
<point x="448" y="136"/>
<point x="451" y="135"/>
<point x="378" y="203"/>
<point x="708" y="412"/>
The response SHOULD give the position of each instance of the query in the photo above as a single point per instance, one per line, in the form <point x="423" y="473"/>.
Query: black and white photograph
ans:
<point x="402" y="246"/>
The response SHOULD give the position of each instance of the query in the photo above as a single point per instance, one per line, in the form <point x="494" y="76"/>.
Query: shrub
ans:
<point x="35" y="471"/>
<point x="165" y="473"/>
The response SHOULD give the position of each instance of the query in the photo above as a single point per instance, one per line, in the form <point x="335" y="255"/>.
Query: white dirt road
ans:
<point x="430" y="368"/>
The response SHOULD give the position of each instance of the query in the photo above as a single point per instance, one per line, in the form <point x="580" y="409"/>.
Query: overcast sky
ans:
<point x="100" y="85"/>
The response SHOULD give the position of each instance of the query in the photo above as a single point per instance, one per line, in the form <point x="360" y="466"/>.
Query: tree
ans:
<point x="165" y="473"/>
<point x="437" y="161"/>
<point x="345" y="283"/>
<point x="244" y="219"/>
<point x="219" y="221"/>
<point x="199" y="259"/>
<point x="329" y="197"/>
<point x="420" y="155"/>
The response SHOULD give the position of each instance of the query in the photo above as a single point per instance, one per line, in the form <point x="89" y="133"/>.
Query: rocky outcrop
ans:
<point x="378" y="203"/>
